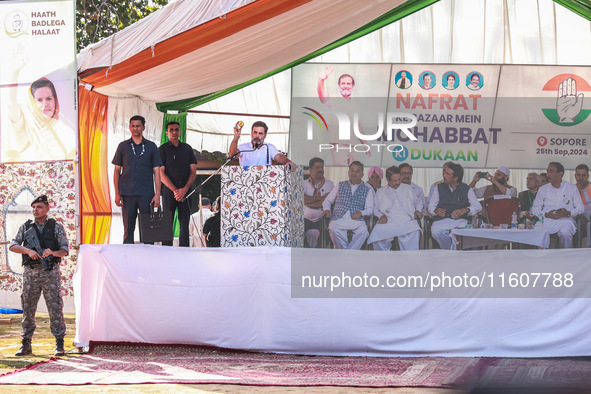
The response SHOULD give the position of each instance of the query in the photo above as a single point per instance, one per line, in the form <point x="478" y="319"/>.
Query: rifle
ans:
<point x="32" y="239"/>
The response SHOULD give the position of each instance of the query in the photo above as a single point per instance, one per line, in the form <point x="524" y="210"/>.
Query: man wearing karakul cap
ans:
<point x="499" y="184"/>
<point x="41" y="278"/>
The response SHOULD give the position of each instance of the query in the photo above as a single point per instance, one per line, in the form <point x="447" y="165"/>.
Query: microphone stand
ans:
<point x="200" y="187"/>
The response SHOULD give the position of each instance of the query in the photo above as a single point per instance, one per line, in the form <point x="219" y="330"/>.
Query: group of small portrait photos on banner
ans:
<point x="427" y="80"/>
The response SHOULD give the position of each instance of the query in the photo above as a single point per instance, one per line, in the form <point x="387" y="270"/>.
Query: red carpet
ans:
<point x="118" y="364"/>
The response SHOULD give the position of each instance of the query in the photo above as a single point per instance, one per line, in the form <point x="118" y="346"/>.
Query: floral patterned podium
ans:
<point x="262" y="206"/>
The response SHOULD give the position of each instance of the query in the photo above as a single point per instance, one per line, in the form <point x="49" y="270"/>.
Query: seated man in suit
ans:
<point x="527" y="197"/>
<point x="450" y="205"/>
<point x="559" y="202"/>
<point x="353" y="200"/>
<point x="395" y="208"/>
<point x="434" y="185"/>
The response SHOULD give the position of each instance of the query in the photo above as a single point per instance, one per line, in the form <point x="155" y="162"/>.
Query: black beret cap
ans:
<point x="41" y="198"/>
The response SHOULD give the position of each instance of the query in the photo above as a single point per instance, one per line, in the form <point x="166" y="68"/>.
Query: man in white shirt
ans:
<point x="450" y="204"/>
<point x="498" y="186"/>
<point x="582" y="178"/>
<point x="257" y="151"/>
<point x="316" y="188"/>
<point x="353" y="200"/>
<point x="196" y="223"/>
<point x="406" y="172"/>
<point x="559" y="201"/>
<point x="395" y="208"/>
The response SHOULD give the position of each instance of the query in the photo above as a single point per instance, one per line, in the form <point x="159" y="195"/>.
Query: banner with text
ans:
<point x="426" y="114"/>
<point x="38" y="116"/>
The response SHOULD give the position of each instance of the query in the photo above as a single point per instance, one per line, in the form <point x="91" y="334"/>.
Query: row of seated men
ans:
<point x="397" y="206"/>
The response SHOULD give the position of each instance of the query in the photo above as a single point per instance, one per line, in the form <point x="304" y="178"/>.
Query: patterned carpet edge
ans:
<point x="138" y="363"/>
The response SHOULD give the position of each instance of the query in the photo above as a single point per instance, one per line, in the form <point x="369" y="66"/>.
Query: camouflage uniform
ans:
<point x="37" y="280"/>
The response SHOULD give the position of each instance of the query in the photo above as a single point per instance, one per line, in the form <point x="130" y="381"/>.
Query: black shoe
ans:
<point x="59" y="347"/>
<point x="25" y="349"/>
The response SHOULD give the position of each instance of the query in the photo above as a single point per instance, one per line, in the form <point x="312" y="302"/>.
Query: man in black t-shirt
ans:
<point x="177" y="173"/>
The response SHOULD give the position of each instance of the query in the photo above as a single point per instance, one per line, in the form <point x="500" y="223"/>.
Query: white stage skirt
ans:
<point x="241" y="298"/>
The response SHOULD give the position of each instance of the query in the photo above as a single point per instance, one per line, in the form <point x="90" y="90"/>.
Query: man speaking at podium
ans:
<point x="257" y="151"/>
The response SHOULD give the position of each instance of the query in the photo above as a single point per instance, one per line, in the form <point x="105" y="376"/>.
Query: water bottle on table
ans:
<point x="514" y="220"/>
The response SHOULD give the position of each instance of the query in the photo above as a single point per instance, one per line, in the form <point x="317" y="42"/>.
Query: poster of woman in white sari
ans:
<point x="34" y="129"/>
<point x="36" y="132"/>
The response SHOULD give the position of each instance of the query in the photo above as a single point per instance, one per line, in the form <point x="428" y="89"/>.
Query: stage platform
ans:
<point x="241" y="298"/>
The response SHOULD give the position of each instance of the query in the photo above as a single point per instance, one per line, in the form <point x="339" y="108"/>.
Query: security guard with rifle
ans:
<point x="42" y="243"/>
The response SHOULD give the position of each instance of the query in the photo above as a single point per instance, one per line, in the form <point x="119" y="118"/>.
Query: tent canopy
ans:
<point x="193" y="48"/>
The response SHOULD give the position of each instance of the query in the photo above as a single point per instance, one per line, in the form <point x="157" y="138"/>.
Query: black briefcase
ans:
<point x="155" y="226"/>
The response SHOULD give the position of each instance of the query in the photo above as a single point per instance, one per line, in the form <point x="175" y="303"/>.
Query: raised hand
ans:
<point x="238" y="129"/>
<point x="568" y="104"/>
<point x="19" y="59"/>
<point x="326" y="72"/>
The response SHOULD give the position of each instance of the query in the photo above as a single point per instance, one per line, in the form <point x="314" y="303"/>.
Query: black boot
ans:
<point x="25" y="349"/>
<point x="59" y="347"/>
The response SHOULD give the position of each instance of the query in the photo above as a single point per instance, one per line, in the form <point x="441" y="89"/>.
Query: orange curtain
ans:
<point x="94" y="181"/>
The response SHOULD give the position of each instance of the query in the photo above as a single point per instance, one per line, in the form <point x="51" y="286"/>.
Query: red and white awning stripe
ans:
<point x="249" y="41"/>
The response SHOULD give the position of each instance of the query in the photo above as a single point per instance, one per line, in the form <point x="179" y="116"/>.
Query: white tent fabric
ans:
<point x="175" y="18"/>
<point x="261" y="43"/>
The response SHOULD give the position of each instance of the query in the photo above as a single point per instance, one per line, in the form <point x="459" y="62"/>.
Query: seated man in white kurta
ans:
<point x="450" y="204"/>
<point x="353" y="200"/>
<point x="582" y="178"/>
<point x="406" y="172"/>
<point x="394" y="206"/>
<point x="559" y="201"/>
<point x="316" y="188"/>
